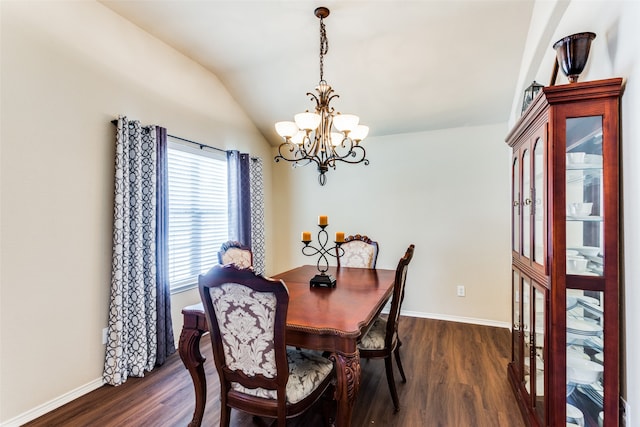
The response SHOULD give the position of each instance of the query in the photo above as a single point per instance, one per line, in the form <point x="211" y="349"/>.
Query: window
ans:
<point x="198" y="211"/>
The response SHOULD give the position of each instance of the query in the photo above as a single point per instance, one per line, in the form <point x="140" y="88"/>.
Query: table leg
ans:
<point x="189" y="349"/>
<point x="347" y="385"/>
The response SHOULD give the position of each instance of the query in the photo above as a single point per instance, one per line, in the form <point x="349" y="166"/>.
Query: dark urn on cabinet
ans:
<point x="572" y="53"/>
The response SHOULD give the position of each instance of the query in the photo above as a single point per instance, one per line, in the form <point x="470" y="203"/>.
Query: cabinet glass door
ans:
<point x="585" y="357"/>
<point x="515" y="233"/>
<point x="527" y="331"/>
<point x="517" y="323"/>
<point x="526" y="203"/>
<point x="538" y="206"/>
<point x="584" y="179"/>
<point x="538" y="357"/>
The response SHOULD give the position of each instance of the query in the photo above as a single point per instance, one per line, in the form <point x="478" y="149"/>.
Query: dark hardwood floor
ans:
<point x="456" y="377"/>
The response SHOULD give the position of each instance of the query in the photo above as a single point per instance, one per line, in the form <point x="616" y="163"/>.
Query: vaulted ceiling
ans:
<point x="402" y="66"/>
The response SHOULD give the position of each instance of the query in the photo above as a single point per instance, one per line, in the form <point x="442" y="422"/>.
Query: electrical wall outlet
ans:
<point x="460" y="290"/>
<point x="105" y="331"/>
<point x="625" y="414"/>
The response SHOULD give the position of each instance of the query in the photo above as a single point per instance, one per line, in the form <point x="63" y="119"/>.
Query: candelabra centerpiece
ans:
<point x="323" y="279"/>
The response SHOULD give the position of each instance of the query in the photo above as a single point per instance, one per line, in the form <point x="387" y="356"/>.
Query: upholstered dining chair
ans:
<point x="357" y="251"/>
<point x="233" y="252"/>
<point x="258" y="373"/>
<point x="381" y="341"/>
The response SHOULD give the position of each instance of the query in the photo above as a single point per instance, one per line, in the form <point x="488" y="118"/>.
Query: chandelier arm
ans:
<point x="297" y="160"/>
<point x="344" y="144"/>
<point x="357" y="154"/>
<point x="317" y="161"/>
<point x="310" y="150"/>
<point x="297" y="153"/>
<point x="314" y="148"/>
<point x="313" y="97"/>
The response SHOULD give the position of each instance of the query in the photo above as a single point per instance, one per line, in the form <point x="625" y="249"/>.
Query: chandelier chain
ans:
<point x="324" y="47"/>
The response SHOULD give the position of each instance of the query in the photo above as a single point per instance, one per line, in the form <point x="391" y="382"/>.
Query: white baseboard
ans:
<point x="52" y="404"/>
<point x="472" y="320"/>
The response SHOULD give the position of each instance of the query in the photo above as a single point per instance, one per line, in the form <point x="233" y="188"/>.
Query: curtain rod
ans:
<point x="201" y="145"/>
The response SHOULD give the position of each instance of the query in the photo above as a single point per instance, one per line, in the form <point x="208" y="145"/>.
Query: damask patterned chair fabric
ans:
<point x="307" y="370"/>
<point x="381" y="341"/>
<point x="258" y="372"/>
<point x="358" y="251"/>
<point x="232" y="252"/>
<point x="375" y="337"/>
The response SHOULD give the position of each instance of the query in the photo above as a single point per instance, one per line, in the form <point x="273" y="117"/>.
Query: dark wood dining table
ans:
<point x="326" y="319"/>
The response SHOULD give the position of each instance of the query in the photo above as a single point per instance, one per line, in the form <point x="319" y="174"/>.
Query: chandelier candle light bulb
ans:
<point x="359" y="133"/>
<point x="307" y="121"/>
<point x="345" y="122"/>
<point x="286" y="129"/>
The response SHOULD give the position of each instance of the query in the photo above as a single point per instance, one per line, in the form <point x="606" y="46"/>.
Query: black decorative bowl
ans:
<point x="573" y="52"/>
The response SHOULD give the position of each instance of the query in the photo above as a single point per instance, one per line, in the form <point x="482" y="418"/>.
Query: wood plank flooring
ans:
<point x="456" y="377"/>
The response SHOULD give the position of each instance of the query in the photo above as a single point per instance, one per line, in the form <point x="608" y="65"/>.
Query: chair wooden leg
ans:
<point x="225" y="416"/>
<point x="329" y="407"/>
<point x="399" y="362"/>
<point x="388" y="364"/>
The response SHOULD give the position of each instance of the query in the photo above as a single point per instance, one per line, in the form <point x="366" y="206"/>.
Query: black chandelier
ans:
<point x="325" y="136"/>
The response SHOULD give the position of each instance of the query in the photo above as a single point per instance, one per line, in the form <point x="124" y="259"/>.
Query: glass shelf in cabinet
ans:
<point x="595" y="343"/>
<point x="591" y="308"/>
<point x="591" y="218"/>
<point x="583" y="175"/>
<point x="584" y="166"/>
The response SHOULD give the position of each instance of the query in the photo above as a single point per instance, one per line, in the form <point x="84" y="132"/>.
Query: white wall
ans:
<point x="445" y="191"/>
<point x="614" y="53"/>
<point x="68" y="69"/>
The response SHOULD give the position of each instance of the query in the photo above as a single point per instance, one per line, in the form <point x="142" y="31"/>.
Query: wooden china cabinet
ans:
<point x="564" y="367"/>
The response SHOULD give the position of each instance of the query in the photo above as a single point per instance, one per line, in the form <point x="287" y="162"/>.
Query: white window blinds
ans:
<point x="198" y="211"/>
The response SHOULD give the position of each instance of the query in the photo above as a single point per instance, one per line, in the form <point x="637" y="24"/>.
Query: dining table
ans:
<point x="331" y="320"/>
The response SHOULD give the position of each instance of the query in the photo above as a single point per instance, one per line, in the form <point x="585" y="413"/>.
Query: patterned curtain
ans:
<point x="246" y="204"/>
<point x="257" y="214"/>
<point x="132" y="342"/>
<point x="166" y="343"/>
<point x="239" y="197"/>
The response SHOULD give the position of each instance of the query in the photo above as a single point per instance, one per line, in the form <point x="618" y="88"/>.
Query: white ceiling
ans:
<point x="402" y="66"/>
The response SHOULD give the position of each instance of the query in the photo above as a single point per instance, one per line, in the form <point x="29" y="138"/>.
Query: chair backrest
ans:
<point x="357" y="251"/>
<point x="247" y="320"/>
<point x="233" y="252"/>
<point x="398" y="297"/>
